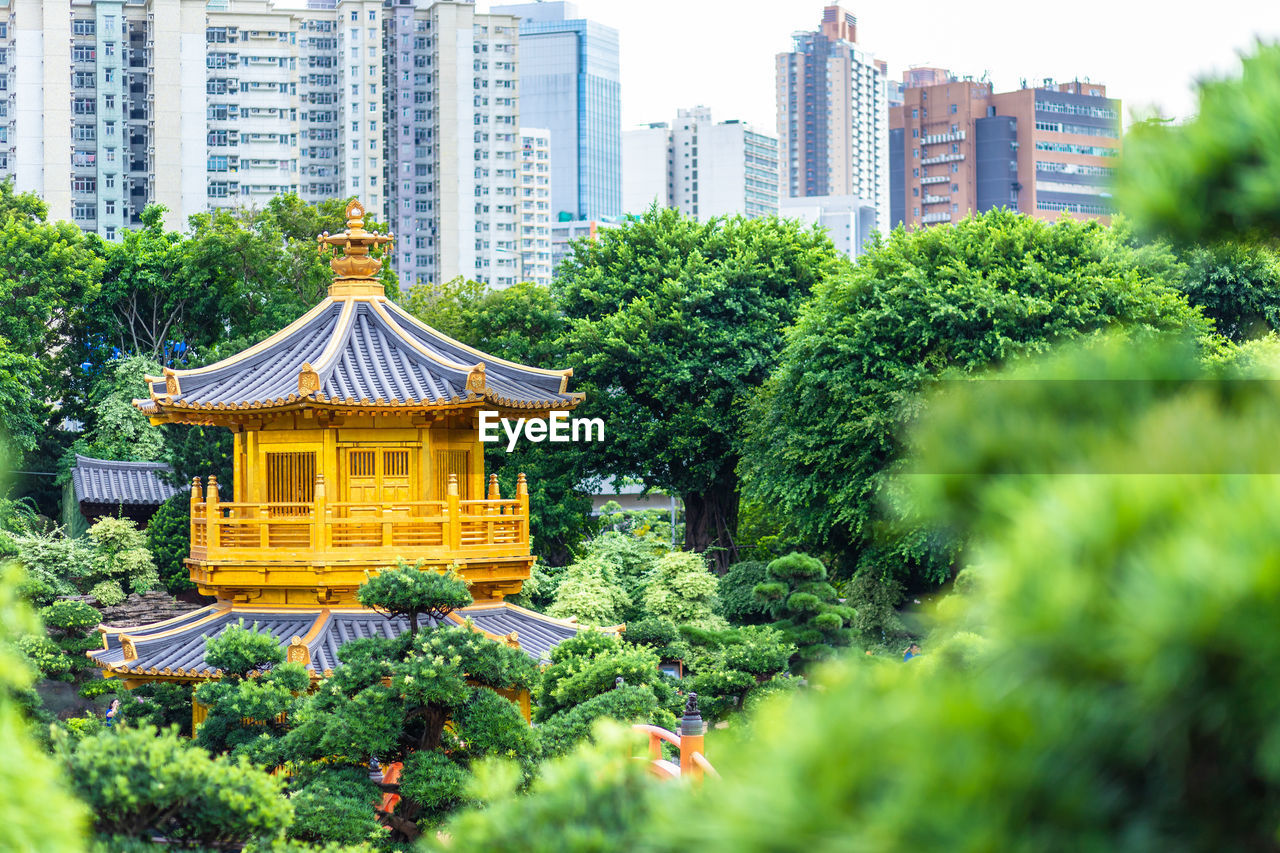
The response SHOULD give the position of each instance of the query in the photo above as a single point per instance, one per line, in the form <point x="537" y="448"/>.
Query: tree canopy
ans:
<point x="917" y="307"/>
<point x="673" y="325"/>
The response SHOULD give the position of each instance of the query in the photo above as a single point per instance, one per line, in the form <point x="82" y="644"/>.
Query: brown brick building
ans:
<point x="955" y="147"/>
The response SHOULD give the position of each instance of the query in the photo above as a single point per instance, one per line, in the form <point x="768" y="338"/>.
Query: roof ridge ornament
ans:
<point x="355" y="269"/>
<point x="308" y="380"/>
<point x="476" y="380"/>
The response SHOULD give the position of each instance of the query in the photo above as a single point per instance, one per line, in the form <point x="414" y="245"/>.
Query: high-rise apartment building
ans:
<point x="97" y="97"/>
<point x="412" y="105"/>
<point x="701" y="167"/>
<point x="535" y="205"/>
<point x="453" y="142"/>
<point x="833" y="117"/>
<point x="569" y="84"/>
<point x="959" y="147"/>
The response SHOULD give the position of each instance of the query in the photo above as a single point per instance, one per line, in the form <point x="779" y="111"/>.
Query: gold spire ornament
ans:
<point x="354" y="264"/>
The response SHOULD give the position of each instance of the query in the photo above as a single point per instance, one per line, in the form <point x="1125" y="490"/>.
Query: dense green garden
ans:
<point x="1062" y="435"/>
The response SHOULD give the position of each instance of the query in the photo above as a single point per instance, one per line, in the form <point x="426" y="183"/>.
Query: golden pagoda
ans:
<point x="356" y="445"/>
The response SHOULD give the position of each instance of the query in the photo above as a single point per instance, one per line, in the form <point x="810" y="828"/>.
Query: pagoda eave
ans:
<point x="224" y="414"/>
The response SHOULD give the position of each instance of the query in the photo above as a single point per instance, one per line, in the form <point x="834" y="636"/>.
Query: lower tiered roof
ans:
<point x="175" y="648"/>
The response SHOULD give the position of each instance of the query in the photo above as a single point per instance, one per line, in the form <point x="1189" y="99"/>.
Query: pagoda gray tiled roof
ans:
<point x="363" y="351"/>
<point x="176" y="647"/>
<point x="106" y="481"/>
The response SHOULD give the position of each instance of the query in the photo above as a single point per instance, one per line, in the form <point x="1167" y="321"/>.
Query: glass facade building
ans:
<point x="569" y="85"/>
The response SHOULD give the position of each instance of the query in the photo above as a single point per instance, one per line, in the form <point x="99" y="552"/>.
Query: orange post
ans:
<point x="455" y="513"/>
<point x="197" y="498"/>
<point x="691" y="734"/>
<point x="212" y="513"/>
<point x="522" y="497"/>
<point x="318" y="515"/>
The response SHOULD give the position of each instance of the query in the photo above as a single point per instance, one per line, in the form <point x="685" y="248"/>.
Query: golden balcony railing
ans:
<point x="348" y="531"/>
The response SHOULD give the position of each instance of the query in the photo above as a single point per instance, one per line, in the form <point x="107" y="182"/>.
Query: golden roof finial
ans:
<point x="354" y="264"/>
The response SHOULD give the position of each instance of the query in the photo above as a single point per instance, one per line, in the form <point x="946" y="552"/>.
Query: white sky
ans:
<point x="720" y="53"/>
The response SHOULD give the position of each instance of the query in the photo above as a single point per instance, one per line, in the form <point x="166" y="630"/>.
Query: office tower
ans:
<point x="453" y="142"/>
<point x="535" y="205"/>
<point x="833" y="115"/>
<point x="960" y="147"/>
<point x="705" y="169"/>
<point x="569" y="85"/>
<point x="96" y="98"/>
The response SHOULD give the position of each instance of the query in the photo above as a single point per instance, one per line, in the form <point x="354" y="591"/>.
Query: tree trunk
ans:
<point x="711" y="522"/>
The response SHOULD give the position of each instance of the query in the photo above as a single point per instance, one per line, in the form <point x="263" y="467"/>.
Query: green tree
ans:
<point x="589" y="665"/>
<point x="736" y="592"/>
<point x="590" y="591"/>
<point x="145" y="303"/>
<point x="69" y="624"/>
<point x="627" y="560"/>
<point x="735" y="668"/>
<point x="115" y="429"/>
<point x="920" y="306"/>
<point x="1235" y="285"/>
<point x="119" y="561"/>
<point x="450" y="307"/>
<point x="804" y="607"/>
<point x="245" y="710"/>
<point x="391" y="699"/>
<point x="681" y="588"/>
<point x="23" y="410"/>
<point x="139" y="783"/>
<point x="169" y="541"/>
<point x="674" y="325"/>
<point x="412" y="592"/>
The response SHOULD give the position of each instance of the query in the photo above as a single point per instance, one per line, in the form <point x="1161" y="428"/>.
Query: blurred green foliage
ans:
<point x="1099" y="681"/>
<point x="1216" y="176"/>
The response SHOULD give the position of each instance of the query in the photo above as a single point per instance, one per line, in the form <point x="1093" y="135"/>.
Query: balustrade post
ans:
<point x="213" y="532"/>
<point x="318" y="510"/>
<point x="522" y="497"/>
<point x="454" y="527"/>
<point x="691" y="737"/>
<point x="197" y="498"/>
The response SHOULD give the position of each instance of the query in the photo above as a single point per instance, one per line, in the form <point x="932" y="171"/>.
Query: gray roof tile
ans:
<point x="363" y="350"/>
<point x="105" y="481"/>
<point x="178" y="644"/>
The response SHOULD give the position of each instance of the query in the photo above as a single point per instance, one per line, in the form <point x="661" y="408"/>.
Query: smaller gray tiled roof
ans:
<point x="106" y="481"/>
<point x="176" y="647"/>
